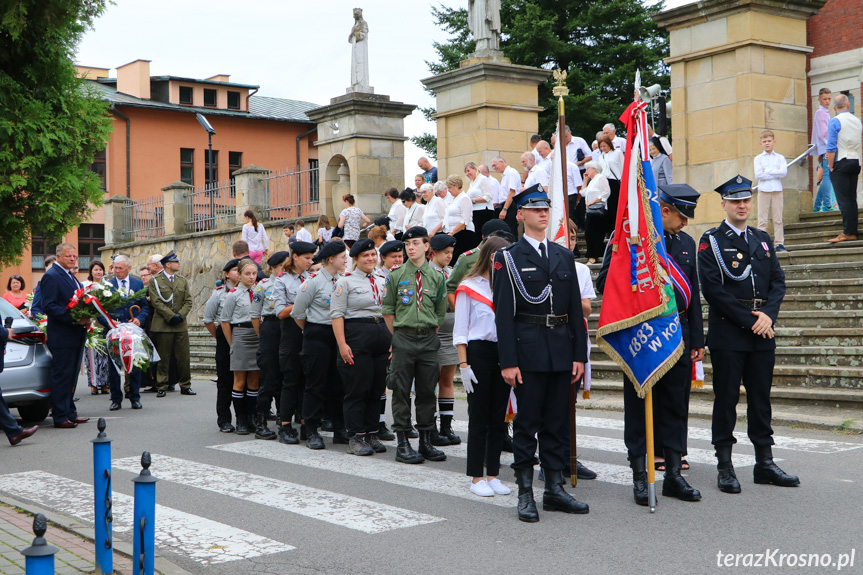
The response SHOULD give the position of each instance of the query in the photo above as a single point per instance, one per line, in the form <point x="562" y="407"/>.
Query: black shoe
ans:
<point x="555" y="497"/>
<point x="507" y="443"/>
<point x="340" y="436"/>
<point x="582" y="472"/>
<point x="314" y="441"/>
<point x="429" y="451"/>
<point x="227" y="428"/>
<point x="438" y="439"/>
<point x="327" y="425"/>
<point x="271" y="416"/>
<point x="404" y="452"/>
<point x="244" y="426"/>
<point x="137" y="405"/>
<point x="288" y="435"/>
<point x="446" y="430"/>
<point x="675" y="485"/>
<point x="149" y="390"/>
<point x="767" y="472"/>
<point x="527" y="511"/>
<point x="639" y="479"/>
<point x="187" y="391"/>
<point x="261" y="429"/>
<point x="375" y="443"/>
<point x="115" y="406"/>
<point x="412" y="434"/>
<point x="161" y="393"/>
<point x="384" y="433"/>
<point x="358" y="446"/>
<point x="726" y="479"/>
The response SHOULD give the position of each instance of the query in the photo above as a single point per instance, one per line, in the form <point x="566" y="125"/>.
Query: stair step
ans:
<point x="824" y="253"/>
<point x="826" y="356"/>
<point x="821" y="217"/>
<point x="823" y="286"/>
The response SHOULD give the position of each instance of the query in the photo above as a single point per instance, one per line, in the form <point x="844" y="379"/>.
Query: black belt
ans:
<point x="753" y="304"/>
<point x="376" y="319"/>
<point x="547" y="320"/>
<point x="243" y="324"/>
<point x="416" y="330"/>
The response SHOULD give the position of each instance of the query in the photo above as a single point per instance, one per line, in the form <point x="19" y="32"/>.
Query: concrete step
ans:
<point x="826" y="356"/>
<point x="821" y="217"/>
<point x="823" y="253"/>
<point x="814" y="234"/>
<point x="817" y="271"/>
<point x="829" y="286"/>
<point x="203" y="368"/>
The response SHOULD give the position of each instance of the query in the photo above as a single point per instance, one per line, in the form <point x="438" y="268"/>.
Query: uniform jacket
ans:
<point x="164" y="311"/>
<point x="532" y="347"/>
<point x="57" y="289"/>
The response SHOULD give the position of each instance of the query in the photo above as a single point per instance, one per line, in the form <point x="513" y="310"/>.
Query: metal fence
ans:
<point x="144" y="219"/>
<point x="210" y="205"/>
<point x="292" y="192"/>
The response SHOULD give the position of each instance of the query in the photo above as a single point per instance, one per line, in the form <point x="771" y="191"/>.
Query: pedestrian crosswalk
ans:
<point x="211" y="542"/>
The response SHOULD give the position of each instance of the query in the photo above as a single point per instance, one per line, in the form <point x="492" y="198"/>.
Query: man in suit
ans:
<point x="171" y="299"/>
<point x="543" y="347"/>
<point x="65" y="336"/>
<point x="127" y="284"/>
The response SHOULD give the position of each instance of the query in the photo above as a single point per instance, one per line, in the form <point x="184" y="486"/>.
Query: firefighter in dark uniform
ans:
<point x="543" y="347"/>
<point x="224" y="375"/>
<point x="742" y="281"/>
<point x="671" y="392"/>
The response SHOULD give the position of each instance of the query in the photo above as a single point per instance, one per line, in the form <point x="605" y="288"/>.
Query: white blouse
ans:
<point x="257" y="239"/>
<point x="460" y="211"/>
<point x="434" y="214"/>
<point x="612" y="164"/>
<point x="474" y="317"/>
<point x="597" y="188"/>
<point x="480" y="187"/>
<point x="414" y="216"/>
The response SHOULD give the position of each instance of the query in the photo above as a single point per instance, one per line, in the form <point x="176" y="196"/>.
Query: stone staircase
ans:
<point x="202" y="347"/>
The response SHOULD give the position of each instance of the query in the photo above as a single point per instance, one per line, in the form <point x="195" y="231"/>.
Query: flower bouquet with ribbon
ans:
<point x="99" y="299"/>
<point x="129" y="348"/>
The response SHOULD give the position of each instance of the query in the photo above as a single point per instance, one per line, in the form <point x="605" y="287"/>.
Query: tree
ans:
<point x="50" y="126"/>
<point x="601" y="43"/>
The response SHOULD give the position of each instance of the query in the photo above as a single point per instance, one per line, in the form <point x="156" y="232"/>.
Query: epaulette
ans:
<point x="232" y="290"/>
<point x="509" y="247"/>
<point x="467" y="253"/>
<point x="395" y="268"/>
<point x="711" y="231"/>
<point x="220" y="287"/>
<point x="347" y="274"/>
<point x="312" y="275"/>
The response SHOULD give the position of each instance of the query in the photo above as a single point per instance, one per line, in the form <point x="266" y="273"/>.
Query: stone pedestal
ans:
<point x="366" y="134"/>
<point x="738" y="67"/>
<point x="175" y="207"/>
<point x="487" y="107"/>
<point x="114" y="219"/>
<point x="251" y="192"/>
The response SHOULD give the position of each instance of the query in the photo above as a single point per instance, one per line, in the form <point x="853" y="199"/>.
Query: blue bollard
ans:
<point x="145" y="518"/>
<point x="102" y="497"/>
<point x="39" y="557"/>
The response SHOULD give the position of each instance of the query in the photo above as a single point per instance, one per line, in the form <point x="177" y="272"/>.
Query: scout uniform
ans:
<point x="237" y="311"/>
<point x="224" y="376"/>
<point x="357" y="298"/>
<point x="171" y="299"/>
<point x="447" y="354"/>
<point x="384" y="434"/>
<point x="416" y="298"/>
<point x="740" y="273"/>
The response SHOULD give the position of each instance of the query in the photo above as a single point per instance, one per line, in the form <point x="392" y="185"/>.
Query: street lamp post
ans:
<point x="210" y="131"/>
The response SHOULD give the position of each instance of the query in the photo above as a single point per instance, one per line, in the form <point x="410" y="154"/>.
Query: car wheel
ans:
<point x="35" y="412"/>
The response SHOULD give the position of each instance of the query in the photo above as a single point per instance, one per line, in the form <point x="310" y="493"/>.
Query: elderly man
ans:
<point x="844" y="152"/>
<point x="65" y="336"/>
<point x="429" y="172"/>
<point x="510" y="183"/>
<point x="544" y="151"/>
<point x="574" y="144"/>
<point x="171" y="299"/>
<point x="535" y="174"/>
<point x="608" y="130"/>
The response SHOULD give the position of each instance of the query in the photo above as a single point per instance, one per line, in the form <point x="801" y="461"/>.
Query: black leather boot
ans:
<point x="527" y="511"/>
<point x="288" y="435"/>
<point x="384" y="433"/>
<point x="314" y="439"/>
<point x="262" y="431"/>
<point x="727" y="479"/>
<point x="427" y="450"/>
<point x="446" y="430"/>
<point x="404" y="452"/>
<point x="768" y="472"/>
<point x="357" y="446"/>
<point x="675" y="485"/>
<point x="639" y="479"/>
<point x="244" y="426"/>
<point x="555" y="497"/>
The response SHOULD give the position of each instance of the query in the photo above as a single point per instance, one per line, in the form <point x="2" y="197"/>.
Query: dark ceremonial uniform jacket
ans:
<point x="161" y="291"/>
<point x="528" y="346"/>
<point x="729" y="320"/>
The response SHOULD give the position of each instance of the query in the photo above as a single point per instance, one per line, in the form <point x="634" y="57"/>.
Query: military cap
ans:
<point x="393" y="246"/>
<point x="171" y="257"/>
<point x="441" y="242"/>
<point x="329" y="249"/>
<point x="414" y="233"/>
<point x="494" y="225"/>
<point x="737" y="188"/>
<point x="300" y="248"/>
<point x="231" y="264"/>
<point x="277" y="258"/>
<point x="532" y="197"/>
<point x="683" y="197"/>
<point x="382" y="221"/>
<point x="361" y="246"/>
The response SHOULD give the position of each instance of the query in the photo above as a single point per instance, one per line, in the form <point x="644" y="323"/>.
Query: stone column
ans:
<point x="251" y="192"/>
<point x="115" y="220"/>
<point x="366" y="134"/>
<point x="487" y="107"/>
<point x="175" y="208"/>
<point x="738" y="68"/>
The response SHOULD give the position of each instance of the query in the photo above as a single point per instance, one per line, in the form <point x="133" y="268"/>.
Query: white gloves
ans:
<point x="468" y="379"/>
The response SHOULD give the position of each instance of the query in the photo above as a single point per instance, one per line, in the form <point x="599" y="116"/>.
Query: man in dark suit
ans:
<point x="742" y="281"/>
<point x="543" y="347"/>
<point x="127" y="284"/>
<point x="65" y="336"/>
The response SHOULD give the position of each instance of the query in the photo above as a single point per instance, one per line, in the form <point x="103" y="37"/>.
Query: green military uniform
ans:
<point x="168" y="299"/>
<point x="463" y="265"/>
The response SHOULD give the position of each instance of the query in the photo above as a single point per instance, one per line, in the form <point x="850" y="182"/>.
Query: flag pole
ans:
<point x="560" y="90"/>
<point x="651" y="467"/>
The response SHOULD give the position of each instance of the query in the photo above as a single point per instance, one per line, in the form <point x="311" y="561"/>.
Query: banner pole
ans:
<point x="651" y="467"/>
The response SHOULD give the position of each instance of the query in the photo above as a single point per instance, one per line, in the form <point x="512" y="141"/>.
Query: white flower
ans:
<point x="106" y="293"/>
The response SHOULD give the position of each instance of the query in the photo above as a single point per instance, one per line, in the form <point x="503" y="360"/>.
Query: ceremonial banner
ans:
<point x="638" y="323"/>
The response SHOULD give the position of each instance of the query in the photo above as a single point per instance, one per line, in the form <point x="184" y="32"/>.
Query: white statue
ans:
<point x="360" y="54"/>
<point x="484" y="23"/>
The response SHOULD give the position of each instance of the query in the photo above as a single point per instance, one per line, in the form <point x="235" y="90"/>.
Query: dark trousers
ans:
<point x="510" y="220"/>
<point x="543" y="412"/>
<point x="293" y="378"/>
<point x="464" y="240"/>
<point x="116" y="387"/>
<point x="414" y="360"/>
<point x="268" y="362"/>
<point x="611" y="214"/>
<point x="844" y="178"/>
<point x="594" y="234"/>
<point x="480" y="217"/>
<point x="323" y="391"/>
<point x="755" y="369"/>
<point x="224" y="378"/>
<point x="486" y="408"/>
<point x="173" y="344"/>
<point x="365" y="380"/>
<point x="65" y="365"/>
<point x="7" y="422"/>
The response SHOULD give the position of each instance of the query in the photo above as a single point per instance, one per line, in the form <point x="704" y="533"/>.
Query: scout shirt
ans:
<point x="401" y="297"/>
<point x="286" y="288"/>
<point x="462" y="266"/>
<point x="237" y="307"/>
<point x="263" y="298"/>
<point x="313" y="301"/>
<point x="213" y="307"/>
<point x="357" y="295"/>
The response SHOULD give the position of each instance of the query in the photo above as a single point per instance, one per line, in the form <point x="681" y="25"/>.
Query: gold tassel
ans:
<point x="697" y="384"/>
<point x="585" y="394"/>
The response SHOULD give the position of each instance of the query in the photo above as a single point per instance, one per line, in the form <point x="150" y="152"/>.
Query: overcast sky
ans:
<point x="291" y="49"/>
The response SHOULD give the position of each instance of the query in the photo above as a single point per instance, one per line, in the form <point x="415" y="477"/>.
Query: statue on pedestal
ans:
<point x="360" y="54"/>
<point x="484" y="23"/>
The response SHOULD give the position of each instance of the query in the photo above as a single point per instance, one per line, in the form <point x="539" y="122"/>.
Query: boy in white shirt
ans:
<point x="770" y="168"/>
<point x="303" y="235"/>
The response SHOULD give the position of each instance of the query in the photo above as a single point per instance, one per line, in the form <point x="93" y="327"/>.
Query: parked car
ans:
<point x="26" y="378"/>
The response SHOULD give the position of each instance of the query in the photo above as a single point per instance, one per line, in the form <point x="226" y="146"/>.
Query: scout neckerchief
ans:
<point x="375" y="291"/>
<point x="419" y="289"/>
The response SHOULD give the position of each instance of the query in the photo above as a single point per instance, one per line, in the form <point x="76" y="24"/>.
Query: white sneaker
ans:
<point x="482" y="489"/>
<point x="498" y="487"/>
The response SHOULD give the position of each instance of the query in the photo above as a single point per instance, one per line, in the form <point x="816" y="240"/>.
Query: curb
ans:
<point x="83" y="530"/>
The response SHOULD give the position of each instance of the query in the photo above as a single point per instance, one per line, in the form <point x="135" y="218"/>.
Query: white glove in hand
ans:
<point x="468" y="379"/>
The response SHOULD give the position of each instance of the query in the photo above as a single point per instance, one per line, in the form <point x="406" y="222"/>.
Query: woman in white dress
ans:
<point x="481" y="195"/>
<point x="414" y="215"/>
<point x="459" y="217"/>
<point x="435" y="210"/>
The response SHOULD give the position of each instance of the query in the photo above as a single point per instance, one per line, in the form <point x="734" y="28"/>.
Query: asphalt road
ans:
<point x="287" y="510"/>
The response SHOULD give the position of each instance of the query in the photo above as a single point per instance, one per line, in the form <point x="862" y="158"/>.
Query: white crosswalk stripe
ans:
<point x="346" y="511"/>
<point x="207" y="542"/>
